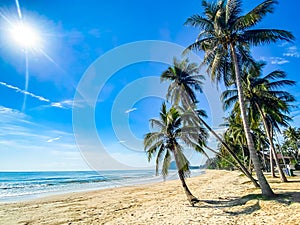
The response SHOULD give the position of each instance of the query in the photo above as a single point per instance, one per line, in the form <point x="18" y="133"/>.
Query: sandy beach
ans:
<point x="226" y="198"/>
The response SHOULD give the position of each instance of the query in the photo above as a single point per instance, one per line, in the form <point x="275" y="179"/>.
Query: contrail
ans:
<point x="25" y="92"/>
<point x="19" y="9"/>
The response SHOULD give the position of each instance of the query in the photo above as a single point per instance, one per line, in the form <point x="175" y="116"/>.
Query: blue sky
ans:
<point x="38" y="135"/>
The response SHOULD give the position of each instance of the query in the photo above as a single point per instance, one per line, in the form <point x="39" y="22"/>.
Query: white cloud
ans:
<point x="292" y="52"/>
<point x="53" y="139"/>
<point x="130" y="110"/>
<point x="67" y="104"/>
<point x="24" y="145"/>
<point x="57" y="105"/>
<point x="10" y="113"/>
<point x="274" y="60"/>
<point x="278" y="60"/>
<point x="283" y="44"/>
<point x="24" y="92"/>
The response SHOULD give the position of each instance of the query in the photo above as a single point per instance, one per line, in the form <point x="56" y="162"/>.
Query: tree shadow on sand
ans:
<point x="286" y="198"/>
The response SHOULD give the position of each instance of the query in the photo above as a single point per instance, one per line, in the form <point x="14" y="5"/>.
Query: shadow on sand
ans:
<point x="286" y="198"/>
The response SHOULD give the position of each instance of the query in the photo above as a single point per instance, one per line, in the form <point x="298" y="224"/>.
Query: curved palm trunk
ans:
<point x="191" y="198"/>
<point x="273" y="152"/>
<point x="240" y="164"/>
<point x="264" y="185"/>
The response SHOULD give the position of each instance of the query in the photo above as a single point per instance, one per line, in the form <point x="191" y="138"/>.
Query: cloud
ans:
<point x="292" y="52"/>
<point x="16" y="89"/>
<point x="283" y="44"/>
<point x="53" y="139"/>
<point x="278" y="60"/>
<point x="24" y="145"/>
<point x="130" y="110"/>
<point x="18" y="127"/>
<point x="7" y="113"/>
<point x="67" y="104"/>
<point x="97" y="33"/>
<point x="57" y="105"/>
<point x="122" y="142"/>
<point x="275" y="60"/>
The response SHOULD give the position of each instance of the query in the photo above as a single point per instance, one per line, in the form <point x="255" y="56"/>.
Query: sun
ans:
<point x="25" y="36"/>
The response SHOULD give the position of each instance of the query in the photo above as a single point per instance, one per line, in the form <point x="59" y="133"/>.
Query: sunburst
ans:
<point x="26" y="36"/>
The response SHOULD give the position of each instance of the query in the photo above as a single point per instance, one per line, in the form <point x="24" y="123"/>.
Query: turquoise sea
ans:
<point x="20" y="186"/>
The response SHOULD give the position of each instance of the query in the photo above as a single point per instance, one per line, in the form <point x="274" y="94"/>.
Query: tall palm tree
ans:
<point x="172" y="132"/>
<point x="226" y="37"/>
<point x="262" y="96"/>
<point x="185" y="80"/>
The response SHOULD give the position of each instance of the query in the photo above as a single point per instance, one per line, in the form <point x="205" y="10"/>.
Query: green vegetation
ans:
<point x="258" y="105"/>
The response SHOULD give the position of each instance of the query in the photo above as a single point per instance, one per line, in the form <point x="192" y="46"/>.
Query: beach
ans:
<point x="227" y="197"/>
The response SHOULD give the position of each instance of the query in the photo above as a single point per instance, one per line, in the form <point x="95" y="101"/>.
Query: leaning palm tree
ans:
<point x="226" y="37"/>
<point x="264" y="99"/>
<point x="173" y="132"/>
<point x="185" y="81"/>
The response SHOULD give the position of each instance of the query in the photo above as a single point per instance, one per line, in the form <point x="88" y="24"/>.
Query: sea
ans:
<point x="22" y="186"/>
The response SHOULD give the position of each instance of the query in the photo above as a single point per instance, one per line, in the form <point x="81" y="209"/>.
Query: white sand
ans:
<point x="225" y="199"/>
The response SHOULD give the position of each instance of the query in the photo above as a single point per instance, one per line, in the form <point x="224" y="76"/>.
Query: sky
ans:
<point x="60" y="109"/>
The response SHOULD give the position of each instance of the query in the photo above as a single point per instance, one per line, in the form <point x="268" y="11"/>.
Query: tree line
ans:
<point x="258" y="105"/>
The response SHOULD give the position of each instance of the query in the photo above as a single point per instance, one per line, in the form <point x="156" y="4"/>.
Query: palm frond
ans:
<point x="199" y="21"/>
<point x="254" y="16"/>
<point x="152" y="138"/>
<point x="266" y="36"/>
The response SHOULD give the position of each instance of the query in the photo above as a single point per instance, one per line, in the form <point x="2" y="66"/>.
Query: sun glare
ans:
<point x="25" y="35"/>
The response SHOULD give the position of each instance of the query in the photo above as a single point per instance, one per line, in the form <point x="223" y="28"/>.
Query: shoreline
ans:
<point x="95" y="186"/>
<point x="225" y="198"/>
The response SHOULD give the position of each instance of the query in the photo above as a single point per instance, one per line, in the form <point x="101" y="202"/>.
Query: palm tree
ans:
<point x="226" y="37"/>
<point x="172" y="133"/>
<point x="263" y="98"/>
<point x="185" y="80"/>
<point x="292" y="141"/>
<point x="235" y="135"/>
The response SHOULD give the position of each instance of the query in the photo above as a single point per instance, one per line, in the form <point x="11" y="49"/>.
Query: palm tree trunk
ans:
<point x="250" y="168"/>
<point x="273" y="152"/>
<point x="244" y="155"/>
<point x="191" y="198"/>
<point x="264" y="159"/>
<point x="272" y="164"/>
<point x="240" y="164"/>
<point x="264" y="185"/>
